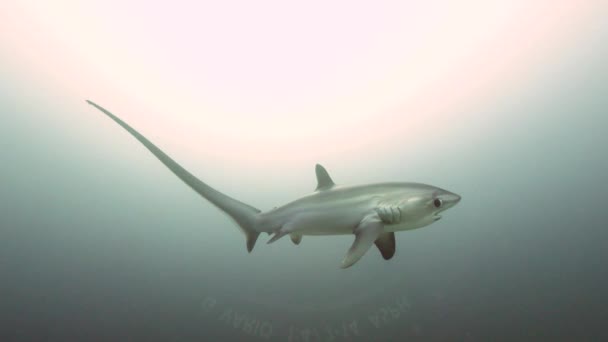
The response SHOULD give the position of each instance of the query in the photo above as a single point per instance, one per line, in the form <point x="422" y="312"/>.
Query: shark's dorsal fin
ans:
<point x="324" y="182"/>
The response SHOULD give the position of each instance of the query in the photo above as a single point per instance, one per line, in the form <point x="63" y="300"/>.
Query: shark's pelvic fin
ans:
<point x="368" y="231"/>
<point x="245" y="215"/>
<point x="324" y="181"/>
<point x="296" y="238"/>
<point x="386" y="244"/>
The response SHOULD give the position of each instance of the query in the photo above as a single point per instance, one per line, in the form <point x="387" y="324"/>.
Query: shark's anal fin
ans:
<point x="287" y="229"/>
<point x="277" y="235"/>
<point x="368" y="231"/>
<point x="386" y="244"/>
<point x="324" y="181"/>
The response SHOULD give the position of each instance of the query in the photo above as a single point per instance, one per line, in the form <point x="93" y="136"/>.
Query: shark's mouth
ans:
<point x="437" y="217"/>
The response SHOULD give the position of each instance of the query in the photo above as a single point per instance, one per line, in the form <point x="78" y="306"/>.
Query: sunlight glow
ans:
<point x="243" y="80"/>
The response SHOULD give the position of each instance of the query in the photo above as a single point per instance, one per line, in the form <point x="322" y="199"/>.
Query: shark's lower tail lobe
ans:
<point x="243" y="214"/>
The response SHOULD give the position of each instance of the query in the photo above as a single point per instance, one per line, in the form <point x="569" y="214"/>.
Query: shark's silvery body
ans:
<point x="373" y="213"/>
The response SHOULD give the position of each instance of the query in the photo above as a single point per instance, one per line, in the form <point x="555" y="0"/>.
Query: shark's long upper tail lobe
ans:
<point x="245" y="215"/>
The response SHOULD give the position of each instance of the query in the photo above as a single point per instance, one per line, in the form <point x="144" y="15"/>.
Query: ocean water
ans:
<point x="100" y="242"/>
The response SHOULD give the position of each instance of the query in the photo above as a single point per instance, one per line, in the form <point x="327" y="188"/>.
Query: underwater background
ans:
<point x="502" y="102"/>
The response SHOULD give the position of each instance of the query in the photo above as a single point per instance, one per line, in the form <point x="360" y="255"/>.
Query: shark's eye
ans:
<point x="437" y="202"/>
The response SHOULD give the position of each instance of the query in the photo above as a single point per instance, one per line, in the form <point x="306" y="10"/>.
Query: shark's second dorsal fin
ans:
<point x="324" y="182"/>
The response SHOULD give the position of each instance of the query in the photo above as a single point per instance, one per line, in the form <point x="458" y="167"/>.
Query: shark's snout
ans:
<point x="452" y="198"/>
<point x="456" y="198"/>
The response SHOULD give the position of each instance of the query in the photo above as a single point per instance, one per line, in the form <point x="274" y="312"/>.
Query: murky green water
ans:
<point x="98" y="241"/>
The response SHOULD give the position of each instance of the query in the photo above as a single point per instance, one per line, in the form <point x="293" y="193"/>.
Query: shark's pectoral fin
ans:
<point x="386" y="244"/>
<point x="296" y="238"/>
<point x="368" y="231"/>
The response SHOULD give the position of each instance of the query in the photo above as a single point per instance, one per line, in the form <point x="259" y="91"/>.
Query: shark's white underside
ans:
<point x="371" y="212"/>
